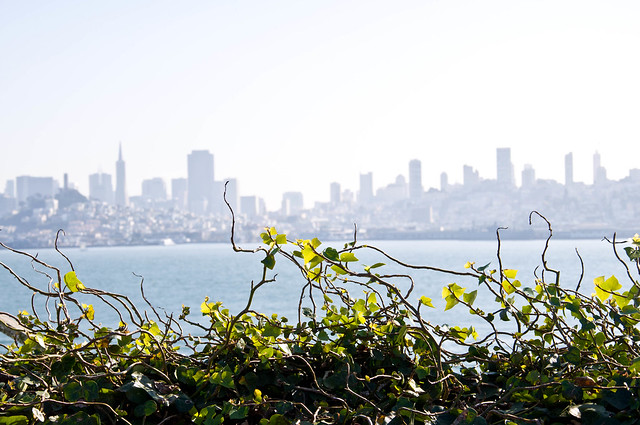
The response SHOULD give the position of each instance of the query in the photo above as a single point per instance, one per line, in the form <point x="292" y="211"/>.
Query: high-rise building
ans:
<point x="444" y="181"/>
<point x="366" y="188"/>
<point x="415" y="179"/>
<point x="179" y="193"/>
<point x="599" y="172"/>
<point x="121" y="182"/>
<point x="568" y="169"/>
<point x="249" y="206"/>
<point x="10" y="189"/>
<point x="154" y="189"/>
<point x="335" y="193"/>
<point x="470" y="177"/>
<point x="100" y="187"/>
<point x="200" y="189"/>
<point x="528" y="176"/>
<point x="28" y="186"/>
<point x="292" y="203"/>
<point x="394" y="192"/>
<point x="504" y="168"/>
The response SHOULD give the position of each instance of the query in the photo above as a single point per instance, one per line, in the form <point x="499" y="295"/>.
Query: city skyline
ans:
<point x="301" y="94"/>
<point x="33" y="208"/>
<point x="199" y="192"/>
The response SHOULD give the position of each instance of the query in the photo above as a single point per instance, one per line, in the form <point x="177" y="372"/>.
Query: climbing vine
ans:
<point x="360" y="351"/>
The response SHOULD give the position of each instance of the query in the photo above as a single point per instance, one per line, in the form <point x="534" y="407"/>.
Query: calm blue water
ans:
<point x="185" y="274"/>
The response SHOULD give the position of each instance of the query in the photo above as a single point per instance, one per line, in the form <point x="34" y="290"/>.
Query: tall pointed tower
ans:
<point x="121" y="183"/>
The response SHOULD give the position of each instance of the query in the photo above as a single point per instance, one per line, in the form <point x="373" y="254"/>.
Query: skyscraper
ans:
<point x="200" y="188"/>
<point x="568" y="169"/>
<point x="154" y="189"/>
<point x="415" y="179"/>
<point x="366" y="188"/>
<point x="470" y="176"/>
<point x="528" y="176"/>
<point x="100" y="187"/>
<point x="121" y="184"/>
<point x="504" y="167"/>
<point x="179" y="192"/>
<point x="10" y="189"/>
<point x="292" y="203"/>
<point x="444" y="181"/>
<point x="335" y="193"/>
<point x="27" y="186"/>
<point x="599" y="172"/>
<point x="249" y="206"/>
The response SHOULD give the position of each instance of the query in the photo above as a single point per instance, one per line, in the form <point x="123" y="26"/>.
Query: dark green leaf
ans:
<point x="14" y="420"/>
<point x="240" y="413"/>
<point x="72" y="391"/>
<point x="572" y="355"/>
<point x="145" y="409"/>
<point x="269" y="261"/>
<point x="331" y="254"/>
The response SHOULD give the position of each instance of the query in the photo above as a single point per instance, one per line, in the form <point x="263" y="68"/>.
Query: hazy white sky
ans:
<point x="293" y="95"/>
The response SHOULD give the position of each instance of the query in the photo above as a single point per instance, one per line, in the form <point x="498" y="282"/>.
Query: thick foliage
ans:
<point x="552" y="355"/>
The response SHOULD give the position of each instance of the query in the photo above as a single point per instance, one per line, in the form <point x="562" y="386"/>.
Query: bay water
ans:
<point x="180" y="275"/>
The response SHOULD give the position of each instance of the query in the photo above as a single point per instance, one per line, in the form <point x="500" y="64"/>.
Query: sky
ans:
<point x="291" y="95"/>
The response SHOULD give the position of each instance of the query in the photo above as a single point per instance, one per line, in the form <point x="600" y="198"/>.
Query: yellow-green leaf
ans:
<point x="622" y="300"/>
<point x="451" y="302"/>
<point x="605" y="287"/>
<point x="89" y="312"/>
<point x="339" y="270"/>
<point x="452" y="289"/>
<point x="611" y="284"/>
<point x="510" y="287"/>
<point x="470" y="297"/>
<point x="72" y="282"/>
<point x="207" y="307"/>
<point x="426" y="301"/>
<point x="347" y="256"/>
<point x="281" y="239"/>
<point x="309" y="255"/>
<point x="510" y="273"/>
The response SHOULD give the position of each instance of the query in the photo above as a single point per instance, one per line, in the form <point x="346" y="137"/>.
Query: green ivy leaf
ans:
<point x="452" y="289"/>
<point x="427" y="301"/>
<point x="573" y="355"/>
<point x="72" y="282"/>
<point x="470" y="297"/>
<point x="269" y="261"/>
<point x="375" y="266"/>
<point x="339" y="270"/>
<point x="145" y="409"/>
<point x="510" y="273"/>
<point x="346" y="257"/>
<point x="451" y="302"/>
<point x="223" y="377"/>
<point x="331" y="254"/>
<point x="605" y="287"/>
<point x="271" y="331"/>
<point x="14" y="420"/>
<point x="241" y="413"/>
<point x="72" y="391"/>
<point x="510" y="287"/>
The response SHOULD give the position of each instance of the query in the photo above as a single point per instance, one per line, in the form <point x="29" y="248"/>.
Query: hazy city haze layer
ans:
<point x="291" y="96"/>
